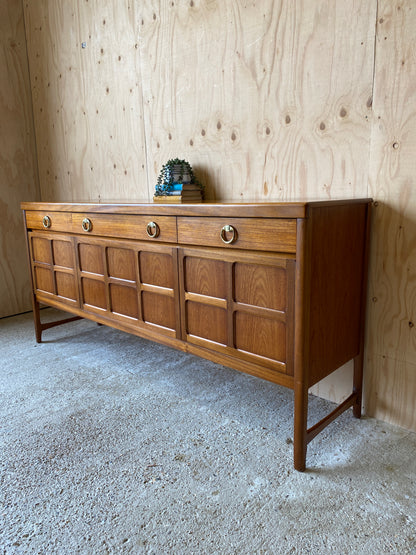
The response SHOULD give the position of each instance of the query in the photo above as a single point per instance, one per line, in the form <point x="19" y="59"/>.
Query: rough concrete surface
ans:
<point x="114" y="444"/>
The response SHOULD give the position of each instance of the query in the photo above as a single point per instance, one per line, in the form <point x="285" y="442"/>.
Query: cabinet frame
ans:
<point x="324" y="256"/>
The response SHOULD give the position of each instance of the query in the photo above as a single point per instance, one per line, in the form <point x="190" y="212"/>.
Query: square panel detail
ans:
<point x="260" y="285"/>
<point x="91" y="258"/>
<point x="93" y="292"/>
<point x="44" y="280"/>
<point x="205" y="277"/>
<point x="206" y="321"/>
<point x="41" y="250"/>
<point x="121" y="263"/>
<point x="158" y="309"/>
<point x="124" y="300"/>
<point x="65" y="285"/>
<point x="156" y="269"/>
<point x="261" y="336"/>
<point x="63" y="253"/>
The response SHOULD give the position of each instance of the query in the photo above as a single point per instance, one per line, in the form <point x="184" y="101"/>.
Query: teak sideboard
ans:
<point x="277" y="290"/>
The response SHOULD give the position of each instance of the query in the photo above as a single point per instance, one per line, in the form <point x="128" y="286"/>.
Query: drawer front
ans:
<point x="154" y="228"/>
<point x="52" y="221"/>
<point x="277" y="235"/>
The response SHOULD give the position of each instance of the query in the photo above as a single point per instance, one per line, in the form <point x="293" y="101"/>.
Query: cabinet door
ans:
<point x="129" y="281"/>
<point x="54" y="267"/>
<point x="239" y="303"/>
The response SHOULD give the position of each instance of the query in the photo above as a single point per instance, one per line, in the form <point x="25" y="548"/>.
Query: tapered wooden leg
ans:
<point x="300" y="427"/>
<point x="359" y="359"/>
<point x="36" y="319"/>
<point x="358" y="385"/>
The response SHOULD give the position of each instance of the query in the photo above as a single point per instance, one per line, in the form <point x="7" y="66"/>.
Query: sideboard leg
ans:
<point x="300" y="440"/>
<point x="358" y="385"/>
<point x="359" y="359"/>
<point x="36" y="318"/>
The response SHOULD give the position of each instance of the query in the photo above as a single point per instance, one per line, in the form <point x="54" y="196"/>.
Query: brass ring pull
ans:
<point x="46" y="222"/>
<point x="152" y="229"/>
<point x="86" y="224"/>
<point x="228" y="229"/>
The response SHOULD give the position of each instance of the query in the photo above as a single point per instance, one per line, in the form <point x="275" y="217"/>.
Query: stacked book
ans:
<point x="181" y="192"/>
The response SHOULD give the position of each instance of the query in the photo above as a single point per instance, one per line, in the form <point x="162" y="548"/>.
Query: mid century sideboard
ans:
<point x="277" y="290"/>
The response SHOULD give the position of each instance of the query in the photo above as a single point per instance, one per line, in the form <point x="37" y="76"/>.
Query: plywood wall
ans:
<point x="18" y="172"/>
<point x="391" y="337"/>
<point x="269" y="100"/>
<point x="87" y="99"/>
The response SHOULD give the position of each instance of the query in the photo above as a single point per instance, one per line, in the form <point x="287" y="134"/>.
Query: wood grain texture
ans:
<point x="337" y="254"/>
<point x="254" y="233"/>
<point x="391" y="336"/>
<point x="18" y="170"/>
<point x="268" y="99"/>
<point x="87" y="100"/>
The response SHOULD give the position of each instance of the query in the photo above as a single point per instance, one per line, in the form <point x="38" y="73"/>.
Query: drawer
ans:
<point x="126" y="226"/>
<point x="53" y="221"/>
<point x="277" y="235"/>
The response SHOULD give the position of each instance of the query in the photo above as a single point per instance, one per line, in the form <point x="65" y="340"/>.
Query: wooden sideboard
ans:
<point x="277" y="290"/>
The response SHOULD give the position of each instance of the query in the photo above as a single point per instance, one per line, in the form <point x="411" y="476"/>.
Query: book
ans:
<point x="193" y="197"/>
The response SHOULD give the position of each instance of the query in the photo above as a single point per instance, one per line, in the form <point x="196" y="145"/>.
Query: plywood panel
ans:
<point x="391" y="390"/>
<point x="391" y="337"/>
<point x="337" y="386"/>
<point x="268" y="99"/>
<point x="18" y="171"/>
<point x="87" y="99"/>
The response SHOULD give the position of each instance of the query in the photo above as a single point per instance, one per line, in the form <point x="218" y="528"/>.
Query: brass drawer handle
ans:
<point x="152" y="229"/>
<point x="228" y="229"/>
<point x="86" y="224"/>
<point x="46" y="222"/>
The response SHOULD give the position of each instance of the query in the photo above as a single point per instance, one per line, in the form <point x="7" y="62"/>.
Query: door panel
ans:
<point x="130" y="280"/>
<point x="54" y="268"/>
<point x="237" y="303"/>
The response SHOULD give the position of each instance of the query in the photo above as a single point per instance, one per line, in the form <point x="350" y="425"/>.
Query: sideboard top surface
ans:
<point x="246" y="210"/>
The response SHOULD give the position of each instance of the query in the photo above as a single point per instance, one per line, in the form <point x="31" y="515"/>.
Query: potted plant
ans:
<point x="173" y="175"/>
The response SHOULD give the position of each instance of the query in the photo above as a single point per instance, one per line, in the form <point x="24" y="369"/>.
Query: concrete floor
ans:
<point x="113" y="444"/>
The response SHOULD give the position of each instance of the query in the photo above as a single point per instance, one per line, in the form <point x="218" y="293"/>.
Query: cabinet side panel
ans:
<point x="337" y="264"/>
